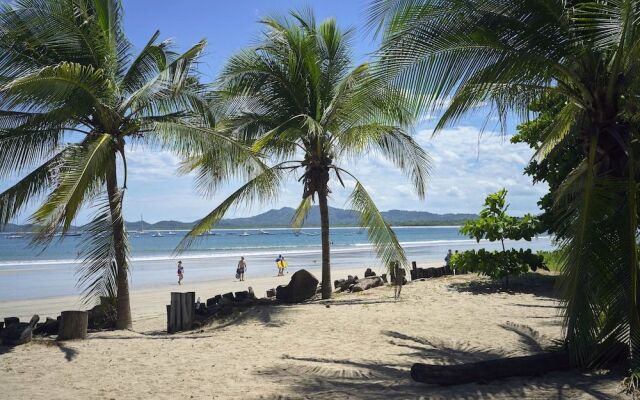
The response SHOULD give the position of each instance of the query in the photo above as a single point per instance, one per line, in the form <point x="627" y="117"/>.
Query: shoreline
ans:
<point x="149" y="302"/>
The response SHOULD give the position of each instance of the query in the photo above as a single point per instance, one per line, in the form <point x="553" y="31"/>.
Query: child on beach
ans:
<point x="397" y="279"/>
<point x="180" y="272"/>
<point x="242" y="267"/>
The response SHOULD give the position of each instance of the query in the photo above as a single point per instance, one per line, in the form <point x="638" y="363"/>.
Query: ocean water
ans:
<point x="28" y="272"/>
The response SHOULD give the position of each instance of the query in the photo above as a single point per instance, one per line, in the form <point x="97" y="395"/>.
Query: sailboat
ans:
<point x="157" y="234"/>
<point x="245" y="234"/>
<point x="263" y="232"/>
<point x="171" y="232"/>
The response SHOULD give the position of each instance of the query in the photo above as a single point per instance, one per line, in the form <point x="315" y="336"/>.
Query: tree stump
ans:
<point x="73" y="325"/>
<point x="181" y="311"/>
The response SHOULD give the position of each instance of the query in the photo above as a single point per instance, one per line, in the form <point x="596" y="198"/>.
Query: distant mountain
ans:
<point x="282" y="218"/>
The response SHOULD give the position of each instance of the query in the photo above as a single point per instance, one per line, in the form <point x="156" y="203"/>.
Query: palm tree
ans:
<point x="507" y="53"/>
<point x="72" y="96"/>
<point x="298" y="99"/>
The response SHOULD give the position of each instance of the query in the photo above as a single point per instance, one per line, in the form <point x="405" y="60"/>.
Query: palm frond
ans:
<point x="54" y="85"/>
<point x="301" y="213"/>
<point x="380" y="234"/>
<point x="82" y="176"/>
<point x="97" y="273"/>
<point x="264" y="187"/>
<point x="31" y="187"/>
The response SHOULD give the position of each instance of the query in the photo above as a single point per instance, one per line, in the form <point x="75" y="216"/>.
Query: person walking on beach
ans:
<point x="280" y="263"/>
<point x="447" y="258"/>
<point x="242" y="268"/>
<point x="180" y="272"/>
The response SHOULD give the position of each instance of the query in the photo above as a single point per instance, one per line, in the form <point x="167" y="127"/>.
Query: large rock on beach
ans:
<point x="49" y="327"/>
<point x="103" y="315"/>
<point x="367" y="283"/>
<point x="301" y="287"/>
<point x="369" y="273"/>
<point x="242" y="295"/>
<point x="346" y="284"/>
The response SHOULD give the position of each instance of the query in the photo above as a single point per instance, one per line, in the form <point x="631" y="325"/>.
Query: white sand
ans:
<point x="362" y="346"/>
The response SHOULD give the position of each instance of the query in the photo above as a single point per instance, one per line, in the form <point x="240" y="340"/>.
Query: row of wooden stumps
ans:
<point x="419" y="273"/>
<point x="181" y="311"/>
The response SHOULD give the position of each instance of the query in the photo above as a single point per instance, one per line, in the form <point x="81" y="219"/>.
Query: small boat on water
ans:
<point x="72" y="234"/>
<point x="15" y="236"/>
<point x="157" y="234"/>
<point x="263" y="232"/>
<point x="245" y="234"/>
<point x="171" y="233"/>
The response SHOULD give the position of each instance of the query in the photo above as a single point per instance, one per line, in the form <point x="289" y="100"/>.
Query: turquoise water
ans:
<point x="33" y="272"/>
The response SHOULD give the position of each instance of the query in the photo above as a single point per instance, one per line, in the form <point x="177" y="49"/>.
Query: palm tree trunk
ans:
<point x="123" y="306"/>
<point x="326" y="256"/>
<point x="632" y="255"/>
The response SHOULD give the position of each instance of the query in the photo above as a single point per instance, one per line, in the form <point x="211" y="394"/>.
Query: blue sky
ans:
<point x="466" y="167"/>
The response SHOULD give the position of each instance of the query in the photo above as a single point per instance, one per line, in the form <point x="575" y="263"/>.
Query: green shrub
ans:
<point x="497" y="264"/>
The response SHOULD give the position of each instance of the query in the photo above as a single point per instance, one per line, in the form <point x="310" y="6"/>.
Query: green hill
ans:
<point x="282" y="218"/>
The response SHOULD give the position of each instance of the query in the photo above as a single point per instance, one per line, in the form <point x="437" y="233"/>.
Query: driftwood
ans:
<point x="482" y="371"/>
<point x="73" y="325"/>
<point x="18" y="333"/>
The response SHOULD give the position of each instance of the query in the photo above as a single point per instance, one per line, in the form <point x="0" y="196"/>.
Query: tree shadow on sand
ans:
<point x="357" y="378"/>
<point x="69" y="352"/>
<point x="537" y="284"/>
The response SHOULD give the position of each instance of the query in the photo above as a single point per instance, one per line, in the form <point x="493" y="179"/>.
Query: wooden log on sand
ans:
<point x="73" y="325"/>
<point x="482" y="371"/>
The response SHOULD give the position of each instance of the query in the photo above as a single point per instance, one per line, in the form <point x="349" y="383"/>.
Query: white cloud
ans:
<point x="466" y="167"/>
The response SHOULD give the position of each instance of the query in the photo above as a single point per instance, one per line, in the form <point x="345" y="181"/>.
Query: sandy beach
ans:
<point x="354" y="346"/>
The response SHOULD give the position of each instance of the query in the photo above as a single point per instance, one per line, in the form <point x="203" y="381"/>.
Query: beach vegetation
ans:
<point x="73" y="98"/>
<point x="500" y="57"/>
<point x="554" y="168"/>
<point x="494" y="224"/>
<point x="298" y="99"/>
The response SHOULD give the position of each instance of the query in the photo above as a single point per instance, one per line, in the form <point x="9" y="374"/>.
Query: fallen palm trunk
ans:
<point x="482" y="371"/>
